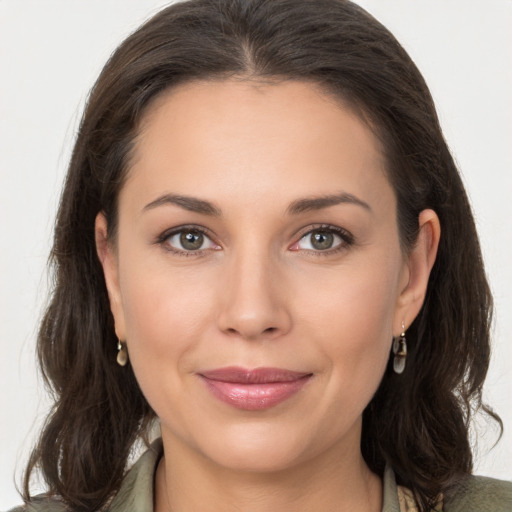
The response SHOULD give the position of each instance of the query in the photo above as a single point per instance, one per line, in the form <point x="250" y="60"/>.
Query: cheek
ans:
<point x="351" y="315"/>
<point x="165" y="313"/>
<point x="166" y="317"/>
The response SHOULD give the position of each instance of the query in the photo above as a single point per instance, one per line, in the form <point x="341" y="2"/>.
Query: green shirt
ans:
<point x="473" y="494"/>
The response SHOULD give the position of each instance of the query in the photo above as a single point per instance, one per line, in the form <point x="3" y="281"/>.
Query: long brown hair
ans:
<point x="418" y="421"/>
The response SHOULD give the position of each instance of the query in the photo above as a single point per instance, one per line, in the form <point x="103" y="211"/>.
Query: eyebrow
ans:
<point x="192" y="204"/>
<point x="307" y="204"/>
<point x="318" y="203"/>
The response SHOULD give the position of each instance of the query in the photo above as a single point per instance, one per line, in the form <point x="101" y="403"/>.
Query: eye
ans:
<point x="186" y="240"/>
<point x="324" y="239"/>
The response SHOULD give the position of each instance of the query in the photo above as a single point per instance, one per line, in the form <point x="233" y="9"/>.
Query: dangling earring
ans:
<point x="400" y="351"/>
<point x="122" y="354"/>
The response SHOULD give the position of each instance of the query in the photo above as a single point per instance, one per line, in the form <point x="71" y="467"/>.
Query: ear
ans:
<point x="109" y="261"/>
<point x="417" y="269"/>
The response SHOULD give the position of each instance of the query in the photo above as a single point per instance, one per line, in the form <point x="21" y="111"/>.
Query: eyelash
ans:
<point x="346" y="237"/>
<point x="166" y="235"/>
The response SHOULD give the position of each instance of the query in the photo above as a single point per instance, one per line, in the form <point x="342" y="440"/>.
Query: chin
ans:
<point x="262" y="449"/>
<point x="257" y="461"/>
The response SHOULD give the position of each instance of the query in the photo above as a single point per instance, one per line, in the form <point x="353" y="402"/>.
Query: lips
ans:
<point x="256" y="389"/>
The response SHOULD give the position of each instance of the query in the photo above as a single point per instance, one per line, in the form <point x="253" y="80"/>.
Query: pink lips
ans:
<point x="252" y="390"/>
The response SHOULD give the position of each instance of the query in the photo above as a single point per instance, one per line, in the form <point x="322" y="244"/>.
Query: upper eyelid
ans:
<point x="300" y="233"/>
<point x="327" y="227"/>
<point x="191" y="227"/>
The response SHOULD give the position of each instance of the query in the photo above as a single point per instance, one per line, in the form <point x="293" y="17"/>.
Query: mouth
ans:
<point x="256" y="389"/>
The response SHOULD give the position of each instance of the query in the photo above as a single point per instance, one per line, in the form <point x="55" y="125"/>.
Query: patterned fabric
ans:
<point x="407" y="503"/>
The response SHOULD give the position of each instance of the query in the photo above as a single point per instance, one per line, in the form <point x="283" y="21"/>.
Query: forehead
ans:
<point x="222" y="139"/>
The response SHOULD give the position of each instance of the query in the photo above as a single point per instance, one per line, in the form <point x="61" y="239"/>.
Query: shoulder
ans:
<point x="479" y="494"/>
<point x="41" y="504"/>
<point x="135" y="493"/>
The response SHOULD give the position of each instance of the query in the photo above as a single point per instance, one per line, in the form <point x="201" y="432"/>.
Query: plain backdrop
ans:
<point x="50" y="54"/>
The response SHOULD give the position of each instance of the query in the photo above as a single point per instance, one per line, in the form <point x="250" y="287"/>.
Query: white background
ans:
<point x="52" y="50"/>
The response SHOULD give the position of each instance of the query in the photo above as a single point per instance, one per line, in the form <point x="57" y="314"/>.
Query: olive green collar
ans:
<point x="136" y="492"/>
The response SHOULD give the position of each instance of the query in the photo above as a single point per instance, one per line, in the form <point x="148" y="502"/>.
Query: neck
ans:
<point x="329" y="483"/>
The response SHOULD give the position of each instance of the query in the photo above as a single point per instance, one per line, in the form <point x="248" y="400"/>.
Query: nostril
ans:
<point x="268" y="332"/>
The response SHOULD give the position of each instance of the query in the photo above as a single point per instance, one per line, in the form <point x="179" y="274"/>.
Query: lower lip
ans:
<point x="255" y="397"/>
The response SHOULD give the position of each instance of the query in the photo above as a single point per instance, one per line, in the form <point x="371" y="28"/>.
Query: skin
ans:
<point x="259" y="293"/>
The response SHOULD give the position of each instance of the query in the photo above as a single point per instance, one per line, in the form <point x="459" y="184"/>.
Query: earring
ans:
<point x="122" y="354"/>
<point x="400" y="351"/>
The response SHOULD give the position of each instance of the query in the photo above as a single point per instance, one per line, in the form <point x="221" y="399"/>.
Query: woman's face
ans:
<point x="257" y="231"/>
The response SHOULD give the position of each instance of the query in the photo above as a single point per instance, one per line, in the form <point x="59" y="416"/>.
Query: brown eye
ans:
<point x="191" y="240"/>
<point x="188" y="240"/>
<point x="322" y="240"/>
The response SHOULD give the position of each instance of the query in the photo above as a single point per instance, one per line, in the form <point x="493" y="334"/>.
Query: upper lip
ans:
<point x="240" y="375"/>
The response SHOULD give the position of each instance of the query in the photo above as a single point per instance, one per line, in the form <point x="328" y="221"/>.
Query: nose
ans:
<point x="253" y="299"/>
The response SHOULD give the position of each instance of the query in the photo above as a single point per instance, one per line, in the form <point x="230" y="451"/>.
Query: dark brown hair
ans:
<point x="418" y="421"/>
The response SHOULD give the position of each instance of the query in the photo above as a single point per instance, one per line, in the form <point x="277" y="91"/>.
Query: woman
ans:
<point x="263" y="242"/>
